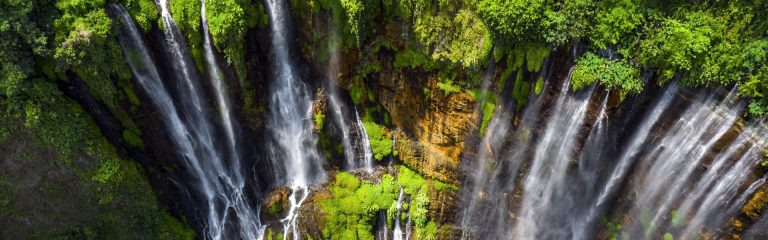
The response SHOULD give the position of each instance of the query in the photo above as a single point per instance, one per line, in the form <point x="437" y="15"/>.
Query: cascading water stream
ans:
<point x="341" y="122"/>
<point x="398" y="231"/>
<point x="367" y="152"/>
<point x="712" y="209"/>
<point x="220" y="191"/>
<point x="245" y="213"/>
<point x="680" y="152"/>
<point x="545" y="181"/>
<point x="222" y="97"/>
<point x="494" y="172"/>
<point x="295" y="156"/>
<point x="636" y="144"/>
<point x="336" y="105"/>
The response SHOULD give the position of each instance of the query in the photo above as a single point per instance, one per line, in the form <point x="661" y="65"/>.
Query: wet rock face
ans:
<point x="275" y="205"/>
<point x="433" y="126"/>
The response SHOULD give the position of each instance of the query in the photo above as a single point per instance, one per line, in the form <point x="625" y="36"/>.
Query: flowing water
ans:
<point x="560" y="170"/>
<point x="341" y="121"/>
<point x="226" y="210"/>
<point x="367" y="152"/>
<point x="682" y="174"/>
<point x="294" y="157"/>
<point x="398" y="231"/>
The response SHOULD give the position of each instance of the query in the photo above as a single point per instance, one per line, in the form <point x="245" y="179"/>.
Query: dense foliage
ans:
<point x="351" y="212"/>
<point x="228" y="22"/>
<point x="44" y="43"/>
<point x="616" y="74"/>
<point x="710" y="43"/>
<point x="381" y="145"/>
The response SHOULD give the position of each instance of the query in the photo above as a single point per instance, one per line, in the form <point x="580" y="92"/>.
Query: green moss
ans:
<point x="448" y="87"/>
<point x="381" y="145"/>
<point x="439" y="186"/>
<point x="357" y="92"/>
<point x="320" y="120"/>
<point x="351" y="212"/>
<point x="276" y="208"/>
<point x="171" y="228"/>
<point x="535" y="56"/>
<point x="269" y="234"/>
<point x="187" y="17"/>
<point x="539" y="85"/>
<point x="133" y="138"/>
<point x="427" y="232"/>
<point x="520" y="91"/>
<point x="668" y="236"/>
<point x="412" y="59"/>
<point x="613" y="230"/>
<point x="415" y="185"/>
<point x="488" y="105"/>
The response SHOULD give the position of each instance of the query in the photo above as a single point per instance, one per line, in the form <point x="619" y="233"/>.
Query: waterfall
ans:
<point x="398" y="230"/>
<point x="339" y="115"/>
<point x="382" y="232"/>
<point x="340" y="119"/>
<point x="295" y="157"/>
<point x="545" y="180"/>
<point x="636" y="144"/>
<point x="705" y="200"/>
<point x="222" y="98"/>
<point x="482" y="190"/>
<point x="220" y="190"/>
<point x="367" y="152"/>
<point x="675" y="173"/>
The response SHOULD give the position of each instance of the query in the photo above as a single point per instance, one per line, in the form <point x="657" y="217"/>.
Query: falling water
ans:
<point x="679" y="153"/>
<point x="545" y="180"/>
<point x="295" y="157"/>
<point x="337" y="107"/>
<point x="222" y="98"/>
<point x="398" y="230"/>
<point x="705" y="202"/>
<point x="221" y="192"/>
<point x="341" y="122"/>
<point x="382" y="231"/>
<point x="671" y="170"/>
<point x="493" y="174"/>
<point x="483" y="167"/>
<point x="367" y="152"/>
<point x="636" y="144"/>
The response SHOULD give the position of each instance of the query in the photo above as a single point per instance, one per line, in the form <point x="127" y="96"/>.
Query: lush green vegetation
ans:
<point x="350" y="213"/>
<point x="381" y="144"/>
<point x="615" y="74"/>
<point x="228" y="22"/>
<point x="711" y="43"/>
<point x="44" y="43"/>
<point x="319" y="121"/>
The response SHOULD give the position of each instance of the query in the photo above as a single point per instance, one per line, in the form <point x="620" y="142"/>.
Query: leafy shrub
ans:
<point x="228" y="22"/>
<point x="678" y="45"/>
<point x="448" y="87"/>
<point x="381" y="145"/>
<point x="614" y="19"/>
<point x="615" y="74"/>
<point x="144" y="13"/>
